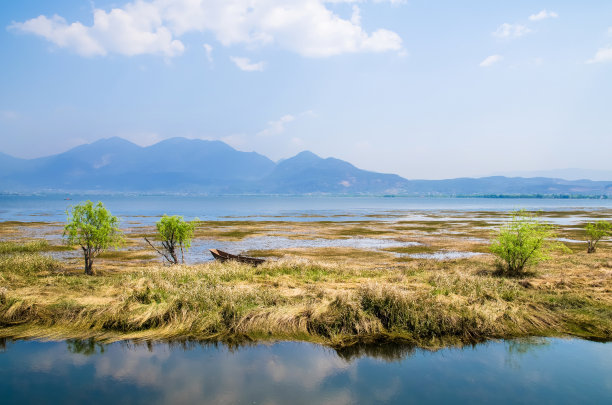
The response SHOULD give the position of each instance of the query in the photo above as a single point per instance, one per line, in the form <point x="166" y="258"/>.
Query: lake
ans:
<point x="537" y="370"/>
<point x="526" y="371"/>
<point x="145" y="209"/>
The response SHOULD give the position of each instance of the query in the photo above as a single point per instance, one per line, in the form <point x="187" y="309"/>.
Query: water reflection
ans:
<point x="77" y="371"/>
<point x="86" y="347"/>
<point x="517" y="348"/>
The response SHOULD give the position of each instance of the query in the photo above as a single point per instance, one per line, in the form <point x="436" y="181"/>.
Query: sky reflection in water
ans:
<point x="527" y="371"/>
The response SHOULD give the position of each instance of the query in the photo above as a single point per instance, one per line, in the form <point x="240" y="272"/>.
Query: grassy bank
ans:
<point x="427" y="303"/>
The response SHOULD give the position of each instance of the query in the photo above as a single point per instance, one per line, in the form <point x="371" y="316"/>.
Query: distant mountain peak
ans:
<point x="112" y="141"/>
<point x="307" y="155"/>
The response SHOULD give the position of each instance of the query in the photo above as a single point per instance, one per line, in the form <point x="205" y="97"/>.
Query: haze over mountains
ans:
<point x="213" y="167"/>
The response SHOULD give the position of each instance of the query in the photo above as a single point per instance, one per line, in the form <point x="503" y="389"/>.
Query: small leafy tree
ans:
<point x="175" y="234"/>
<point x="524" y="242"/>
<point x="595" y="232"/>
<point x="94" y="229"/>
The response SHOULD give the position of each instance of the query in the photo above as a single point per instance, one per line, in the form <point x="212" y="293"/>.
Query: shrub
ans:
<point x="595" y="232"/>
<point x="524" y="242"/>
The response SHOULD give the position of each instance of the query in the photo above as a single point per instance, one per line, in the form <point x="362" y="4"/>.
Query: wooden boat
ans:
<point x="224" y="256"/>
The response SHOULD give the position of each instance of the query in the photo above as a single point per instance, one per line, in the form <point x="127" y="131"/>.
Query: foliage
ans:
<point x="524" y="242"/>
<point x="175" y="233"/>
<point x="595" y="232"/>
<point x="94" y="229"/>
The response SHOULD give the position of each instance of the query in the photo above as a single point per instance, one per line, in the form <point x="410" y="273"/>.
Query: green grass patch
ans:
<point x="361" y="231"/>
<point x="236" y="234"/>
<point x="410" y="249"/>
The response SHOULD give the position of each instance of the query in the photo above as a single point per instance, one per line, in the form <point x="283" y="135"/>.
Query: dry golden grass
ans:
<point x="336" y="296"/>
<point x="429" y="304"/>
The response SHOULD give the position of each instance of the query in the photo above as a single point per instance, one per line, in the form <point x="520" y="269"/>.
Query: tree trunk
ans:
<point x="88" y="262"/>
<point x="591" y="248"/>
<point x="173" y="254"/>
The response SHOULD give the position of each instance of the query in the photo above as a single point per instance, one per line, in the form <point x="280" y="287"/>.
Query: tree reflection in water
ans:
<point x="86" y="347"/>
<point x="388" y="351"/>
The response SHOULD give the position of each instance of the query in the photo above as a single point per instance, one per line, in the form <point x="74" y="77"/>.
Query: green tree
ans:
<point x="175" y="234"/>
<point x="524" y="242"/>
<point x="595" y="232"/>
<point x="94" y="229"/>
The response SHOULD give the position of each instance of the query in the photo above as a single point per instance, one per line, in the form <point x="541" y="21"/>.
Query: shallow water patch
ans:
<point x="199" y="249"/>
<point x="442" y="255"/>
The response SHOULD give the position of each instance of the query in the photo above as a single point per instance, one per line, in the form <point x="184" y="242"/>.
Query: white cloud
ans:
<point x="277" y="127"/>
<point x="306" y="27"/>
<point x="356" y="16"/>
<point x="511" y="31"/>
<point x="135" y="30"/>
<point x="491" y="60"/>
<point x="543" y="15"/>
<point x="602" y="55"/>
<point x="208" y="48"/>
<point x="246" y="64"/>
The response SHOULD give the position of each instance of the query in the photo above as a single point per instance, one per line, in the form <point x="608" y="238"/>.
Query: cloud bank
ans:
<point x="306" y="27"/>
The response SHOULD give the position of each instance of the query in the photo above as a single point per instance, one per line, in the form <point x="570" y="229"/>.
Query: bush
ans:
<point x="524" y="242"/>
<point x="175" y="234"/>
<point x="94" y="229"/>
<point x="595" y="232"/>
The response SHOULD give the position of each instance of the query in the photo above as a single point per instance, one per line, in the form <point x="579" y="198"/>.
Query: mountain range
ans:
<point x="180" y="165"/>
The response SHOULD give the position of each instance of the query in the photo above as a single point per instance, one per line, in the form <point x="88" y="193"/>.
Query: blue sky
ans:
<point x="421" y="88"/>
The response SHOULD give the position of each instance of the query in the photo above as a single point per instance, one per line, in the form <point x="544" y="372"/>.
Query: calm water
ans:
<point x="528" y="371"/>
<point x="146" y="208"/>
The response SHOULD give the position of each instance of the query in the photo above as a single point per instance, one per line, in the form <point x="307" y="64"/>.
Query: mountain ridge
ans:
<point x="213" y="167"/>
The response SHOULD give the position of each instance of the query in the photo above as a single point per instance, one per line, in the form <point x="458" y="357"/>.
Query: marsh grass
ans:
<point x="335" y="296"/>
<point x="362" y="231"/>
<point x="336" y="304"/>
<point x="7" y="247"/>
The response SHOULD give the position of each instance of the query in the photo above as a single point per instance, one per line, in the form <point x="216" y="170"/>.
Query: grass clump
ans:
<point x="25" y="264"/>
<point x="7" y="247"/>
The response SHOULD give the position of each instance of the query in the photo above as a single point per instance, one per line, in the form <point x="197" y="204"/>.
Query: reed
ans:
<point x="429" y="304"/>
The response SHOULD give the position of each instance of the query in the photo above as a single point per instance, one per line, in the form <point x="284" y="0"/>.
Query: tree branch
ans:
<point x="163" y="254"/>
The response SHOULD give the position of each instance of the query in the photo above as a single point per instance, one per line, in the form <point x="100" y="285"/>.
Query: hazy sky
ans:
<point x="421" y="88"/>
